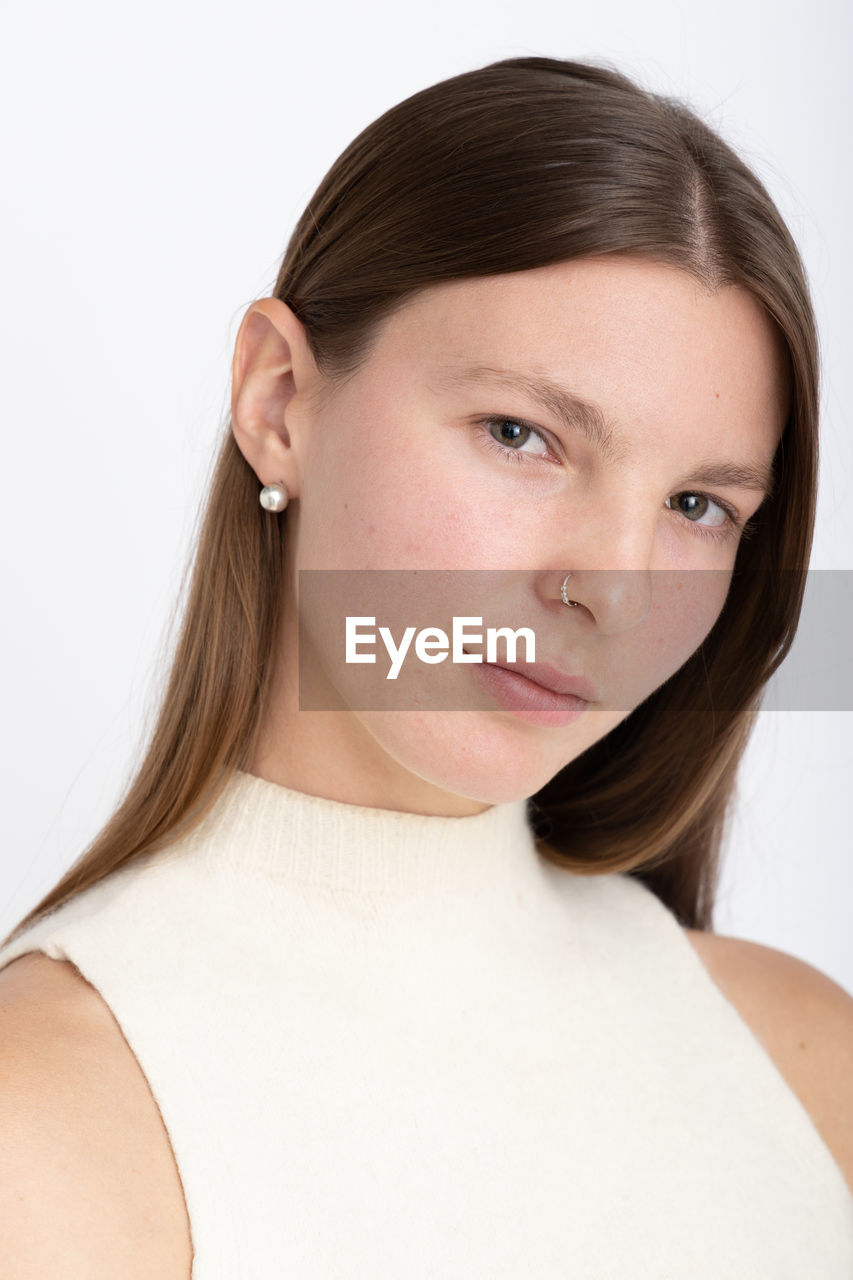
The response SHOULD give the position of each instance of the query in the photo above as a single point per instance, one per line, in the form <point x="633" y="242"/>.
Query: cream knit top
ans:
<point x="391" y="1045"/>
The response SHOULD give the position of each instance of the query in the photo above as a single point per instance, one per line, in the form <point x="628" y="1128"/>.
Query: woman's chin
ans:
<point x="485" y="756"/>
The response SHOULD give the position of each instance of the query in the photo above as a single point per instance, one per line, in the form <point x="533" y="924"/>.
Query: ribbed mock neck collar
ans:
<point x="313" y="841"/>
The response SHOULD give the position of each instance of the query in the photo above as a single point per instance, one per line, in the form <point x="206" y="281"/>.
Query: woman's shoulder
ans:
<point x="803" y="1019"/>
<point x="90" y="1184"/>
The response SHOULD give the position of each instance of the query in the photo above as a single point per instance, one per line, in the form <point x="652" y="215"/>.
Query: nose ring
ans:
<point x="572" y="603"/>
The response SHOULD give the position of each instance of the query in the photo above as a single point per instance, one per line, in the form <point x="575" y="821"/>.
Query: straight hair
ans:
<point x="520" y="164"/>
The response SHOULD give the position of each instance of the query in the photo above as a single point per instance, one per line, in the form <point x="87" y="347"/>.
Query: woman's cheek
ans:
<point x="686" y="607"/>
<point x="441" y="525"/>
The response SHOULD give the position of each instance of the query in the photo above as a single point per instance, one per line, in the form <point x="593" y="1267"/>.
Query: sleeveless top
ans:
<point x="386" y="1044"/>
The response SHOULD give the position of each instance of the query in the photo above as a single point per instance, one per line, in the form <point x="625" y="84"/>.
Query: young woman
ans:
<point x="426" y="984"/>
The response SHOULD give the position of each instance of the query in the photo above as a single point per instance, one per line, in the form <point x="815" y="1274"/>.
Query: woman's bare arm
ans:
<point x="804" y="1020"/>
<point x="88" y="1186"/>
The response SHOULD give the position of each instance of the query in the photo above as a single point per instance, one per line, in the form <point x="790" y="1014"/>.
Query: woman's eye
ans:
<point x="696" y="505"/>
<point x="693" y="506"/>
<point x="510" y="435"/>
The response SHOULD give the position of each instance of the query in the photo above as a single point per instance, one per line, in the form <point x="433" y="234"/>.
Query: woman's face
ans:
<point x="457" y="446"/>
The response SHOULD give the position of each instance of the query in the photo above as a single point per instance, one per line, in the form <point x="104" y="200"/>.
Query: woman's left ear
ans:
<point x="272" y="369"/>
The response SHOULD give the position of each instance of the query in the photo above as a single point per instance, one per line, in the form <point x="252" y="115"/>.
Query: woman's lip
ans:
<point x="529" y="701"/>
<point x="552" y="679"/>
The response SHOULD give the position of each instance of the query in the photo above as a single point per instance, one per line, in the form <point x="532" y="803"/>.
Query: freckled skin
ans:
<point x="388" y="471"/>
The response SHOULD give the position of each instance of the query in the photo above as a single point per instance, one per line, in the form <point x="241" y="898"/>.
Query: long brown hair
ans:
<point x="516" y="165"/>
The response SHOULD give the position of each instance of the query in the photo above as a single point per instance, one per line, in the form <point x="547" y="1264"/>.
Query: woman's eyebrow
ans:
<point x="573" y="410"/>
<point x="587" y="417"/>
<point x="740" y="475"/>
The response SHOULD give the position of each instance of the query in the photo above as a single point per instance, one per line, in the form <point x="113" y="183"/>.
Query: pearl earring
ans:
<point x="273" y="497"/>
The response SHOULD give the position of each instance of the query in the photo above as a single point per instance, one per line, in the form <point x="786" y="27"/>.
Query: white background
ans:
<point x="155" y="161"/>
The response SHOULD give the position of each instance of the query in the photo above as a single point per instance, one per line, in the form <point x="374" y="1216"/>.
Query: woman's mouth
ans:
<point x="528" y="700"/>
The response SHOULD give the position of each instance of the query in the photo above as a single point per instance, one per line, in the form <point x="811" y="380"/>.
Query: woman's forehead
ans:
<point x="637" y="334"/>
<point x="564" y="294"/>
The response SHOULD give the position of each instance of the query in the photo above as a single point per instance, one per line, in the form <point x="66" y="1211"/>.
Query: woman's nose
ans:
<point x="616" y="599"/>
<point x="610" y="566"/>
